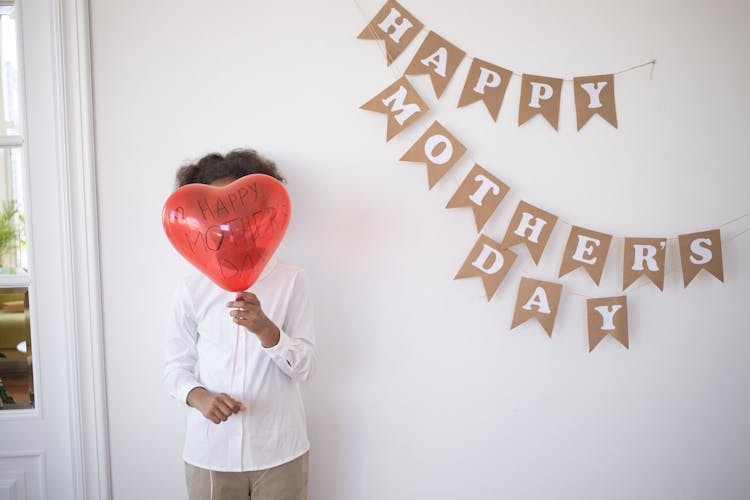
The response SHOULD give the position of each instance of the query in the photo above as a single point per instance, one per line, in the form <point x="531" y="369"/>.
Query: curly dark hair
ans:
<point x="235" y="164"/>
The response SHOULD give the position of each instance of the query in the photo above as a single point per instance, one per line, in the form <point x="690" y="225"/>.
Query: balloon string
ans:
<point x="236" y="349"/>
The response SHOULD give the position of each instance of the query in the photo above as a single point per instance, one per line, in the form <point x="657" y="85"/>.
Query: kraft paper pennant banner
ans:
<point x="487" y="83"/>
<point x="595" y="95"/>
<point x="438" y="58"/>
<point x="531" y="226"/>
<point x="537" y="299"/>
<point x="395" y="26"/>
<point x="438" y="149"/>
<point x="481" y="191"/>
<point x="489" y="261"/>
<point x="607" y="316"/>
<point x="587" y="249"/>
<point x="401" y="103"/>
<point x="540" y="95"/>
<point x="701" y="251"/>
<point x="644" y="256"/>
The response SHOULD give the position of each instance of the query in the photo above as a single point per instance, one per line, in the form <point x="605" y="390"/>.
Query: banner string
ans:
<point x="236" y="350"/>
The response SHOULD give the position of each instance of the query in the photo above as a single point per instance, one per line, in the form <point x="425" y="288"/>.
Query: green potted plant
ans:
<point x="10" y="231"/>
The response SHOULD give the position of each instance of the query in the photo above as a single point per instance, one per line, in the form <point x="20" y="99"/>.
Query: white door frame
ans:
<point x="84" y="329"/>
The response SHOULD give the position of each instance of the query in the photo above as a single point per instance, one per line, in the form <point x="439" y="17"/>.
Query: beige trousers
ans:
<point x="285" y="482"/>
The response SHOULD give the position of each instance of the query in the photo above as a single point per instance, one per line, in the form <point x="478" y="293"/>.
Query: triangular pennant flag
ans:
<point x="438" y="58"/>
<point x="438" y="149"/>
<point x="644" y="257"/>
<point x="595" y="95"/>
<point x="489" y="261"/>
<point x="395" y="26"/>
<point x="587" y="249"/>
<point x="540" y="95"/>
<point x="537" y="299"/>
<point x="607" y="316"/>
<point x="531" y="226"/>
<point x="481" y="191"/>
<point x="701" y="251"/>
<point x="401" y="103"/>
<point x="487" y="83"/>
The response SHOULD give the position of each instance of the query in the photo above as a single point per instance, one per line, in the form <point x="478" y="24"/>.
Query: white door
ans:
<point x="49" y="429"/>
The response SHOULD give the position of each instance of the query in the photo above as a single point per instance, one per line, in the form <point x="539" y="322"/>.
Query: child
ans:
<point x="245" y="438"/>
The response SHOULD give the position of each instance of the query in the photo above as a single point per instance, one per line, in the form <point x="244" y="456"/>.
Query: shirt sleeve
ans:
<point x="181" y="352"/>
<point x="295" y="352"/>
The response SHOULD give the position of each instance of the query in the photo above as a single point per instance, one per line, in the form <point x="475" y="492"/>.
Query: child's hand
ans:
<point x="246" y="311"/>
<point x="215" y="407"/>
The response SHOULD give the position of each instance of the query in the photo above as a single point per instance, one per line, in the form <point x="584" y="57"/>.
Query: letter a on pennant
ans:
<point x="481" y="191"/>
<point x="401" y="103"/>
<point x="438" y="58"/>
<point x="489" y="261"/>
<point x="701" y="251"/>
<point x="395" y="26"/>
<point x="644" y="256"/>
<point x="540" y="95"/>
<point x="595" y="95"/>
<point x="607" y="316"/>
<point x="438" y="149"/>
<point x="487" y="83"/>
<point x="587" y="249"/>
<point x="537" y="299"/>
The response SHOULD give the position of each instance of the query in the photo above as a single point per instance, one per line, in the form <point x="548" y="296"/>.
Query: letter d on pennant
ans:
<point x="489" y="261"/>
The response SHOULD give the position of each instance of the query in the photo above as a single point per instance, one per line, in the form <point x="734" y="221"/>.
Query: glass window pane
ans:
<point x="13" y="258"/>
<point x="16" y="379"/>
<point x="9" y="104"/>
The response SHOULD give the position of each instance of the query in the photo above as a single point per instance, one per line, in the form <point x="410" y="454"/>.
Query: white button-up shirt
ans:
<point x="200" y="352"/>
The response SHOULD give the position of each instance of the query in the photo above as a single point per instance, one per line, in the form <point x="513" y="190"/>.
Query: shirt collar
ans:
<point x="269" y="268"/>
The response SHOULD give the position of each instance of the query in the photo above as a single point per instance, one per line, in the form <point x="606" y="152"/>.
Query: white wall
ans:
<point x="422" y="391"/>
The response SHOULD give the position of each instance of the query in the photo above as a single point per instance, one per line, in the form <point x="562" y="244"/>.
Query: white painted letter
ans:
<point x="439" y="59"/>
<point x="482" y="190"/>
<point x="537" y="94"/>
<point x="703" y="252"/>
<point x="487" y="78"/>
<point x="433" y="143"/>
<point x="584" y="249"/>
<point x="539" y="299"/>
<point x="593" y="90"/>
<point x="487" y="253"/>
<point x="608" y="314"/>
<point x="525" y="224"/>
<point x="404" y="112"/>
<point x="398" y="29"/>
<point x="644" y="253"/>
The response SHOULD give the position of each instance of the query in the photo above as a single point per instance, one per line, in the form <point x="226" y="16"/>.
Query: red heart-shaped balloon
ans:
<point x="228" y="232"/>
